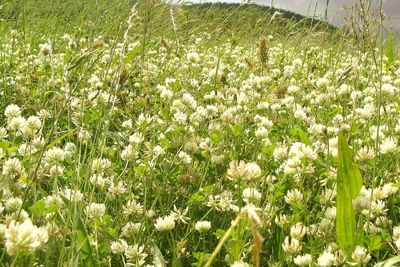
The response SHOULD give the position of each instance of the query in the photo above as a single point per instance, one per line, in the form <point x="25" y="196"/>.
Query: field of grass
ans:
<point x="135" y="133"/>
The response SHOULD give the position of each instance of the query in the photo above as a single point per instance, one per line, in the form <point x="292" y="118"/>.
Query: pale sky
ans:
<point x="336" y="12"/>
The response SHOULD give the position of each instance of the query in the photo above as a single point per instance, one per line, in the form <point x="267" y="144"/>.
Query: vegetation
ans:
<point x="137" y="133"/>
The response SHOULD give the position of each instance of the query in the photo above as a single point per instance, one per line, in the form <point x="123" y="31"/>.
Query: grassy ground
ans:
<point x="212" y="135"/>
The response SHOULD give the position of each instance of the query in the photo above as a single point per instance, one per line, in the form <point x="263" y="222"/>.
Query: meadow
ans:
<point x="137" y="133"/>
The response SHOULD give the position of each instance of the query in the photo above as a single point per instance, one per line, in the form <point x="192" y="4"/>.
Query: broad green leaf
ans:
<point x="196" y="198"/>
<point x="349" y="182"/>
<point x="40" y="208"/>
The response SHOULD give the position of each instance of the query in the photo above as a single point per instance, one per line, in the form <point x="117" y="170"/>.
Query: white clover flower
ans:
<point x="291" y="245"/>
<point x="303" y="260"/>
<point x="365" y="153"/>
<point x="13" y="204"/>
<point x="261" y="132"/>
<point x="298" y="231"/>
<point x="184" y="157"/>
<point x="388" y="145"/>
<point x="46" y="48"/>
<point x="326" y="259"/>
<point x="84" y="135"/>
<point x="98" y="180"/>
<point x="165" y="224"/>
<point x="26" y="150"/>
<point x="69" y="149"/>
<point x="16" y="123"/>
<point x="136" y="138"/>
<point x="129" y="153"/>
<point x="280" y="152"/>
<point x="54" y="155"/>
<point x="117" y="189"/>
<point x="72" y="195"/>
<point x="254" y="170"/>
<point x="135" y="254"/>
<point x="56" y="171"/>
<point x="192" y="57"/>
<point x="180" y="117"/>
<point x="190" y="147"/>
<point x="360" y="255"/>
<point x="12" y="111"/>
<point x="251" y="195"/>
<point x="131" y="229"/>
<point x="100" y="165"/>
<point x="23" y="238"/>
<point x="240" y="264"/>
<point x="330" y="213"/>
<point x="238" y="170"/>
<point x="12" y="167"/>
<point x="127" y="125"/>
<point x="3" y="133"/>
<point x="133" y="208"/>
<point x="95" y="210"/>
<point x="293" y="196"/>
<point x="118" y="247"/>
<point x="202" y="226"/>
<point x="33" y="123"/>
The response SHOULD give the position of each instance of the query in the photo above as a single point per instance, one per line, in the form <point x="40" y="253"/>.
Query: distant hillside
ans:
<point x="249" y="21"/>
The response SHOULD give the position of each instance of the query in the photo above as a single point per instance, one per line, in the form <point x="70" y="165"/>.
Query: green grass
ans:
<point x="202" y="135"/>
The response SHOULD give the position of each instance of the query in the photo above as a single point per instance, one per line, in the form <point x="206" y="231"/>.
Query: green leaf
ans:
<point x="134" y="52"/>
<point x="349" y="182"/>
<point x="84" y="245"/>
<point x="389" y="262"/>
<point x="235" y="247"/>
<point x="40" y="208"/>
<point x="82" y="239"/>
<point x="373" y="242"/>
<point x="390" y="49"/>
<point x="196" y="198"/>
<point x="158" y="259"/>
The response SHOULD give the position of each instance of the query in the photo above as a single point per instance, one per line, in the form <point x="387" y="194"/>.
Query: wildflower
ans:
<point x="327" y="259"/>
<point x="293" y="196"/>
<point x="95" y="210"/>
<point x="240" y="264"/>
<point x="292" y="246"/>
<point x="360" y="255"/>
<point x="130" y="229"/>
<point x="23" y="238"/>
<point x="72" y="195"/>
<point x="238" y="170"/>
<point x="254" y="170"/>
<point x="202" y="226"/>
<point x="13" y="204"/>
<point x="388" y="145"/>
<point x="303" y="260"/>
<point x="12" y="111"/>
<point x="118" y="247"/>
<point x="251" y="195"/>
<point x="12" y="167"/>
<point x="135" y="254"/>
<point x="180" y="216"/>
<point x="193" y="57"/>
<point x="184" y="157"/>
<point x="298" y="231"/>
<point x="133" y="208"/>
<point x="165" y="224"/>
